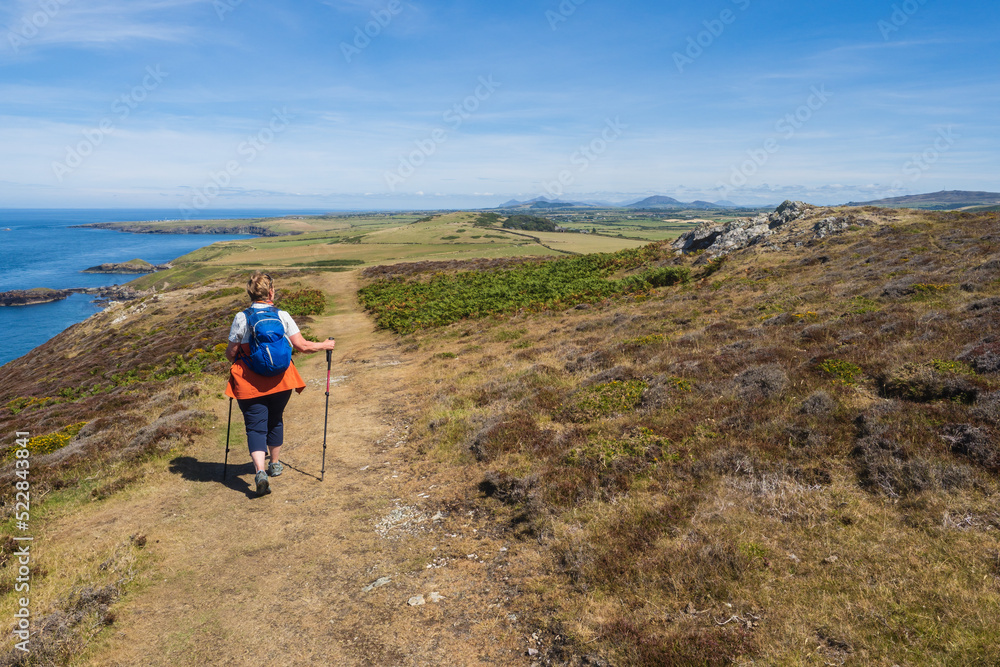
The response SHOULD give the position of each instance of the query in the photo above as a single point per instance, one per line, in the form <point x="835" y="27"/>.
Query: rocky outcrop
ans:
<point x="837" y="224"/>
<point x="38" y="295"/>
<point x="30" y="297"/>
<point x="722" y="238"/>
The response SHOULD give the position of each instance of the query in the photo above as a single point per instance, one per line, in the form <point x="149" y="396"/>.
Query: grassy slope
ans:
<point x="689" y="477"/>
<point x="783" y="462"/>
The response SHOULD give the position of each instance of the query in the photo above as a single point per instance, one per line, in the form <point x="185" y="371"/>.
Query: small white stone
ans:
<point x="416" y="601"/>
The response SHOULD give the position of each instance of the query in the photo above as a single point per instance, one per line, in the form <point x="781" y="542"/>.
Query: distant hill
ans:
<point x="943" y="201"/>
<point x="660" y="201"/>
<point x="653" y="202"/>
<point x="657" y="201"/>
<point x="539" y="202"/>
<point x="554" y="204"/>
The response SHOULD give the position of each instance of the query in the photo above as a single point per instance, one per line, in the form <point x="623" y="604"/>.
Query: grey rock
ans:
<point x="828" y="226"/>
<point x="788" y="211"/>
<point x="378" y="583"/>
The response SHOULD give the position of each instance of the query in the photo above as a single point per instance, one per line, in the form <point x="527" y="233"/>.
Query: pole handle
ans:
<point x="329" y="353"/>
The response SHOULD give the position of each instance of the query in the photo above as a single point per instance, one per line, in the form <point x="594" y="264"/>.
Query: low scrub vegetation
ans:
<point x="302" y="302"/>
<point x="792" y="462"/>
<point x="531" y="223"/>
<point x="404" y="306"/>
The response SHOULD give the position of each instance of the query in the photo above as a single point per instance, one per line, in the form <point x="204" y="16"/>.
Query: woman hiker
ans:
<point x="263" y="397"/>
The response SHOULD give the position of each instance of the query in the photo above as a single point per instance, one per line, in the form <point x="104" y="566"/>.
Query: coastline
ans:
<point x="48" y="251"/>
<point x="38" y="296"/>
<point x="165" y="228"/>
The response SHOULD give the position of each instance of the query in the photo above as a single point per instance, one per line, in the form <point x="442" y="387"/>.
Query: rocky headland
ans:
<point x="193" y="228"/>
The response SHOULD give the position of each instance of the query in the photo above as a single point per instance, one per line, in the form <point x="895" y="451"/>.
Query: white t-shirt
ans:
<point x="240" y="333"/>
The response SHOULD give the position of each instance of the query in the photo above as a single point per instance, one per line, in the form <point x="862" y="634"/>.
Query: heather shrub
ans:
<point x="818" y="403"/>
<point x="761" y="382"/>
<point x="974" y="443"/>
<point x="513" y="432"/>
<point x="987" y="407"/>
<point x="984" y="356"/>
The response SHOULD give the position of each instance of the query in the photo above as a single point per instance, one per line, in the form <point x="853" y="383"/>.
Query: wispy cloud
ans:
<point x="30" y="25"/>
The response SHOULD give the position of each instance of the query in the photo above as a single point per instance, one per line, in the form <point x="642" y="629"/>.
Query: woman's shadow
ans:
<point x="194" y="470"/>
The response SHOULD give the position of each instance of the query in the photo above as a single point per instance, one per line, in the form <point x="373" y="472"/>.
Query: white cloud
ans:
<point x="33" y="25"/>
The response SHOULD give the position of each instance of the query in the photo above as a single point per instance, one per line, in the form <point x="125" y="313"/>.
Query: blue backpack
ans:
<point x="270" y="351"/>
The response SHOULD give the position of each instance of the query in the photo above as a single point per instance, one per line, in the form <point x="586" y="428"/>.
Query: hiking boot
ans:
<point x="263" y="486"/>
<point x="275" y="469"/>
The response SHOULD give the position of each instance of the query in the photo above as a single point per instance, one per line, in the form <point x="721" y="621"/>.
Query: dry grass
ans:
<point x="807" y="472"/>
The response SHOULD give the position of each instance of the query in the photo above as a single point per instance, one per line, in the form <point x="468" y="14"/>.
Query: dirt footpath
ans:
<point x="314" y="573"/>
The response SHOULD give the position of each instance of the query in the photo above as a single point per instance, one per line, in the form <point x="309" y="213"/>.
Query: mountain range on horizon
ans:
<point x="655" y="201"/>
<point x="942" y="200"/>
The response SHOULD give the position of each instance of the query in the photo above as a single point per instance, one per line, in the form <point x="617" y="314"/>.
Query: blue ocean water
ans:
<point x="40" y="248"/>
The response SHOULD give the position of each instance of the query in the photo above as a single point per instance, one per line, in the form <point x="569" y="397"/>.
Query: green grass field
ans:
<point x="369" y="239"/>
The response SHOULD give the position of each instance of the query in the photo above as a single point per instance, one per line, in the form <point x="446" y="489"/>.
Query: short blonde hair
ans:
<point x="259" y="286"/>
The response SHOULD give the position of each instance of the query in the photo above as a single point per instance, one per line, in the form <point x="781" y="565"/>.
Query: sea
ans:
<point x="42" y="248"/>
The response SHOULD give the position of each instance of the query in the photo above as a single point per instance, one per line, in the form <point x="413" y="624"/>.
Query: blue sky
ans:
<point x="336" y="104"/>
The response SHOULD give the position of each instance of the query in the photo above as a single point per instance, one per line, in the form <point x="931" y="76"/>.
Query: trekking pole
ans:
<point x="326" y="411"/>
<point x="229" y="423"/>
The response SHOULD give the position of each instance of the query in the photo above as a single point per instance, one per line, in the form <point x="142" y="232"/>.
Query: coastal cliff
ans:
<point x="39" y="295"/>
